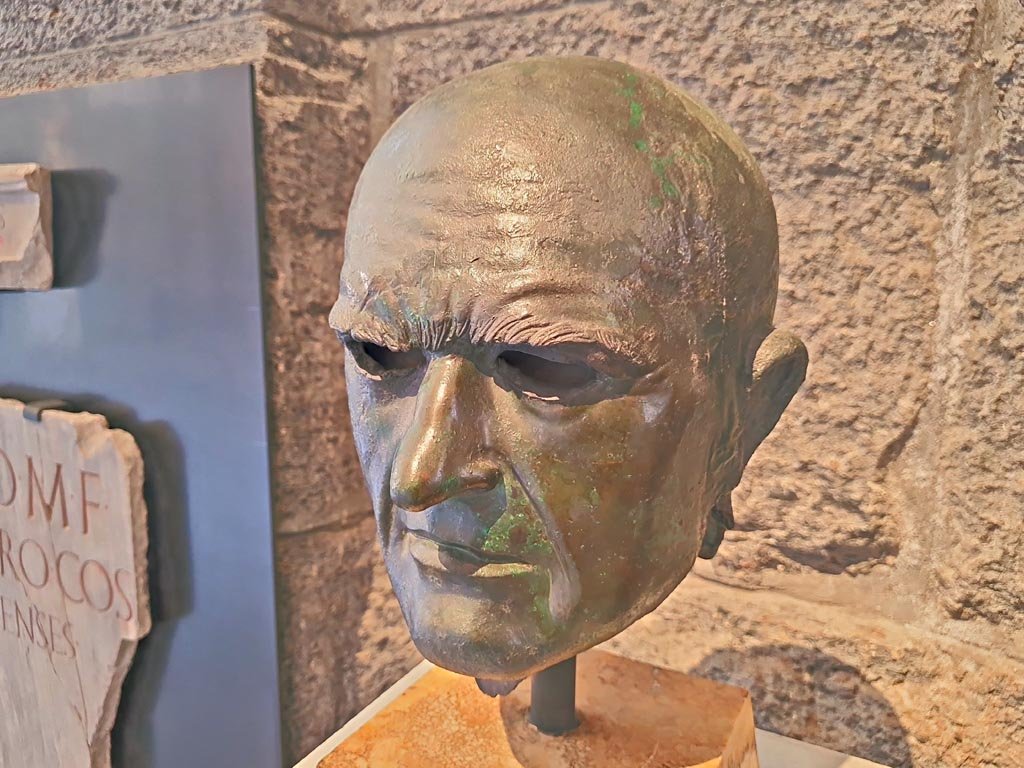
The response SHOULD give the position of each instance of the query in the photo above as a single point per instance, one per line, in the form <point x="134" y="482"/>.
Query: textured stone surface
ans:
<point x="36" y="27"/>
<point x="870" y="688"/>
<point x="362" y="16"/>
<point x="312" y="151"/>
<point x="234" y="40"/>
<point x="344" y="641"/>
<point x="969" y="464"/>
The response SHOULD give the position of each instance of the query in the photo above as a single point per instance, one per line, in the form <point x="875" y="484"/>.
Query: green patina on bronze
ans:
<point x="540" y="589"/>
<point x="636" y="109"/>
<point x="550" y="208"/>
<point x="519" y="532"/>
<point x="659" y="164"/>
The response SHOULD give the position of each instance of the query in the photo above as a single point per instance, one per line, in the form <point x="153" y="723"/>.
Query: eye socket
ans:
<point x="377" y="360"/>
<point x="542" y="377"/>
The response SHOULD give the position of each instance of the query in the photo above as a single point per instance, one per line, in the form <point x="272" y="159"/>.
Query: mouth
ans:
<point x="437" y="554"/>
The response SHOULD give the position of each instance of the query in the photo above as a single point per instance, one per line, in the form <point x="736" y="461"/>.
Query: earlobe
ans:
<point x="720" y="520"/>
<point x="780" y="366"/>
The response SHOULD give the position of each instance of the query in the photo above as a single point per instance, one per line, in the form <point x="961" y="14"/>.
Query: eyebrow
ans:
<point x="501" y="329"/>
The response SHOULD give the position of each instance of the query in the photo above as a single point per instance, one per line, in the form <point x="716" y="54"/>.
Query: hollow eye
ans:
<point x="544" y="378"/>
<point x="377" y="360"/>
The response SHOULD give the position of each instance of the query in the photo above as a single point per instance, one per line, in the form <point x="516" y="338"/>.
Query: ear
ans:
<point x="778" y="371"/>
<point x="780" y="366"/>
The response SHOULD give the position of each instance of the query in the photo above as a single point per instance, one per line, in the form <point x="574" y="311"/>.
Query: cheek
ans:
<point x="379" y="420"/>
<point x="597" y="465"/>
<point x="623" y="480"/>
<point x="620" y="445"/>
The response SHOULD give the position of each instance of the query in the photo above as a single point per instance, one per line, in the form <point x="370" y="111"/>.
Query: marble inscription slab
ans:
<point x="74" y="600"/>
<point x="26" y="228"/>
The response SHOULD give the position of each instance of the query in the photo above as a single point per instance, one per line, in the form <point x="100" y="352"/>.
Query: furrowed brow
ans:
<point x="400" y="332"/>
<point x="381" y="334"/>
<point x="598" y="343"/>
<point x="529" y="331"/>
<point x="362" y="324"/>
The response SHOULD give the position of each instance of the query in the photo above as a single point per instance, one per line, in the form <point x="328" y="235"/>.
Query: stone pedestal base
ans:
<point x="631" y="714"/>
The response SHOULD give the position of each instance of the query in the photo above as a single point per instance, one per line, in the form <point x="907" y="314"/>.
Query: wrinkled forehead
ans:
<point x="577" y="181"/>
<point x="508" y="232"/>
<point x="524" y="194"/>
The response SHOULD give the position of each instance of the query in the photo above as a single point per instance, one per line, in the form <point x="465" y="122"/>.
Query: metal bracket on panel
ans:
<point x="34" y="410"/>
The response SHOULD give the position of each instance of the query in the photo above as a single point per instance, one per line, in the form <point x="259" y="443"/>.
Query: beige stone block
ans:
<point x="74" y="601"/>
<point x="631" y="714"/>
<point x="234" y="40"/>
<point x="34" y="27"/>
<point x="842" y="679"/>
<point x="26" y="228"/>
<point x="313" y="150"/>
<point x="355" y="16"/>
<point x="964" y="468"/>
<point x="303" y="64"/>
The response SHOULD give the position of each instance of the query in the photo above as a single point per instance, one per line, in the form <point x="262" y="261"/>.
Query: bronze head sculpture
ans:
<point x="557" y="303"/>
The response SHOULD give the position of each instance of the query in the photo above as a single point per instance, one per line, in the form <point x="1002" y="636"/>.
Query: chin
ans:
<point x="481" y="639"/>
<point x="497" y="628"/>
<point x="498" y="662"/>
<point x="491" y="655"/>
<point x="486" y="643"/>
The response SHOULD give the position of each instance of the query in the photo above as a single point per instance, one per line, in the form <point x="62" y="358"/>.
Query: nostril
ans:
<point x="419" y="495"/>
<point x="481" y="475"/>
<point x="413" y="496"/>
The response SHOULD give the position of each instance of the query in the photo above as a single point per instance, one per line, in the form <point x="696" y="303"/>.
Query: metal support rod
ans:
<point x="553" y="699"/>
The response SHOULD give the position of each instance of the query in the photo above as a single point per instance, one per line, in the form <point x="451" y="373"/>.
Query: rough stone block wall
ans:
<point x="343" y="640"/>
<point x="881" y="525"/>
<point x="63" y="43"/>
<point x="872" y="594"/>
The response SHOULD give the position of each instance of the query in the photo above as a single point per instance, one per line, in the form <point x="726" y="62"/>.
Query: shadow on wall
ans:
<point x="170" y="583"/>
<point x="79" y="208"/>
<point x="815" y="697"/>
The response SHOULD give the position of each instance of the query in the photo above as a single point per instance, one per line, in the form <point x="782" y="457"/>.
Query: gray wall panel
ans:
<point x="156" y="322"/>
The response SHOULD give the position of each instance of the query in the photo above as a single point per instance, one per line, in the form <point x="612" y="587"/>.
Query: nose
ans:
<point x="443" y="454"/>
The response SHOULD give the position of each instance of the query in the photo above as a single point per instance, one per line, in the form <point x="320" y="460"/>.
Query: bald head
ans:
<point x="577" y="171"/>
<point x="556" y="302"/>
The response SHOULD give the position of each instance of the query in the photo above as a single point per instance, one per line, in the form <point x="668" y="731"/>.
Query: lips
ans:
<point x="432" y="552"/>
